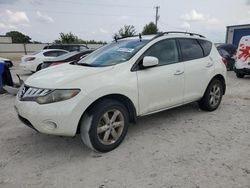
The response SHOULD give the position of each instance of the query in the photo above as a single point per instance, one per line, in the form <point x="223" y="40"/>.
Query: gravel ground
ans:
<point x="182" y="147"/>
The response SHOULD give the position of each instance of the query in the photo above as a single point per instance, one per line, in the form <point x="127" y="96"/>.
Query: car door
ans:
<point x="198" y="67"/>
<point x="162" y="86"/>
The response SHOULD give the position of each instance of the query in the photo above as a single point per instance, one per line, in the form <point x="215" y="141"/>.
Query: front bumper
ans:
<point x="60" y="118"/>
<point x="244" y="71"/>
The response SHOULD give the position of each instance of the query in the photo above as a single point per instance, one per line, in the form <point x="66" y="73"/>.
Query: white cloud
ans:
<point x="18" y="17"/>
<point x="103" y="30"/>
<point x="124" y="17"/>
<point x="198" y="17"/>
<point x="185" y="25"/>
<point x="7" y="26"/>
<point x="44" y="18"/>
<point x="13" y="19"/>
<point x="193" y="16"/>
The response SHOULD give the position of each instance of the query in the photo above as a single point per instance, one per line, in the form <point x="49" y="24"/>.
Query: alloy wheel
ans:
<point x="110" y="127"/>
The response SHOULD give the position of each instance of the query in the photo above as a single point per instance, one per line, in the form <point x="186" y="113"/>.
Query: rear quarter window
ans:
<point x="190" y="49"/>
<point x="207" y="46"/>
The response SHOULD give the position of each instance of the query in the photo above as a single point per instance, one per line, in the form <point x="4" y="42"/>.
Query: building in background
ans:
<point x="5" y="39"/>
<point x="235" y="32"/>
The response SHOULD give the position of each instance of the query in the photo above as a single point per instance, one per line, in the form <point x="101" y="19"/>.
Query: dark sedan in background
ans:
<point x="68" y="47"/>
<point x="228" y="53"/>
<point x="66" y="58"/>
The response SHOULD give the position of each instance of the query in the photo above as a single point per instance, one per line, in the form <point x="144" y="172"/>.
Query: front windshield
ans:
<point x="114" y="53"/>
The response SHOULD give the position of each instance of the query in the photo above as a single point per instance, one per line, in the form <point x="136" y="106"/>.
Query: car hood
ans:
<point x="63" y="76"/>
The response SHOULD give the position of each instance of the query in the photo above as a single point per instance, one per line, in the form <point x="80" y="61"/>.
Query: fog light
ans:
<point x="50" y="125"/>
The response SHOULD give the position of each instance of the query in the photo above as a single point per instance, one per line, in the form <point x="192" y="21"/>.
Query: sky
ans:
<point x="100" y="19"/>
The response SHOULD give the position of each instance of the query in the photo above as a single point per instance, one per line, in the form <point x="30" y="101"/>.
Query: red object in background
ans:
<point x="225" y="61"/>
<point x="245" y="53"/>
<point x="56" y="63"/>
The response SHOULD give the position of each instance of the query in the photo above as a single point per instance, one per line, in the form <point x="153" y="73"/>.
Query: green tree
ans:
<point x="126" y="31"/>
<point x="150" y="29"/>
<point x="68" y="38"/>
<point x="18" y="37"/>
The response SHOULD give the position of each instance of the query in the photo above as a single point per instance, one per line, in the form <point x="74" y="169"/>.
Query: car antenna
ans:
<point x="115" y="37"/>
<point x="140" y="36"/>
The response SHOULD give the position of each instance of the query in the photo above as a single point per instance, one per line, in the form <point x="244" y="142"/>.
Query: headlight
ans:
<point x="45" y="96"/>
<point x="57" y="95"/>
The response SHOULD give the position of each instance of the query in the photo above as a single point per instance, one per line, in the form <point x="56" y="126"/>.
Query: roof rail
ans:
<point x="178" y="32"/>
<point x="116" y="38"/>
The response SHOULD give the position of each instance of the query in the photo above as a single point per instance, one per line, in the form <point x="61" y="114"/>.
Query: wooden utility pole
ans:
<point x="157" y="17"/>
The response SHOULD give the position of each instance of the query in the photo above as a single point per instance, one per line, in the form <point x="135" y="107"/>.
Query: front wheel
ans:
<point x="39" y="67"/>
<point x="105" y="126"/>
<point x="212" y="97"/>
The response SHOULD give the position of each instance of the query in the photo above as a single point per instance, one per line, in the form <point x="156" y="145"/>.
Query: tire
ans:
<point x="212" y="97"/>
<point x="239" y="75"/>
<point x="111" y="132"/>
<point x="39" y="67"/>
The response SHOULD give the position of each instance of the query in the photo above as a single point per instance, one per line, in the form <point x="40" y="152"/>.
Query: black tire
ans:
<point x="39" y="67"/>
<point x="239" y="75"/>
<point x="91" y="120"/>
<point x="205" y="102"/>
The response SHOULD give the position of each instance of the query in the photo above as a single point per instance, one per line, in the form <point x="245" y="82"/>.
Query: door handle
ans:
<point x="178" y="72"/>
<point x="210" y="64"/>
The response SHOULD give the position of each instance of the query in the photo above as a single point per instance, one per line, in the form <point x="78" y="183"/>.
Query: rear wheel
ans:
<point x="105" y="126"/>
<point x="212" y="97"/>
<point x="240" y="75"/>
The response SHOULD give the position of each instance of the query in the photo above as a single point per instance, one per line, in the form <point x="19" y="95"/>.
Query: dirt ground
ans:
<point x="182" y="147"/>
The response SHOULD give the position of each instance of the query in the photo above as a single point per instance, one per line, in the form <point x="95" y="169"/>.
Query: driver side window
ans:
<point x="166" y="51"/>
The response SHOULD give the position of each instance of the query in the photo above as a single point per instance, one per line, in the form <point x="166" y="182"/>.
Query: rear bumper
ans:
<point x="27" y="67"/>
<point x="242" y="71"/>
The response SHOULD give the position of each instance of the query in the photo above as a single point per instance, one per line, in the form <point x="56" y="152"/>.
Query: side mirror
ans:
<point x="150" y="61"/>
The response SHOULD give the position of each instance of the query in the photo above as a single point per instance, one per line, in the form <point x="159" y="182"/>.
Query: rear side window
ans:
<point x="72" y="48"/>
<point x="53" y="53"/>
<point x="83" y="48"/>
<point x="207" y="46"/>
<point x="190" y="49"/>
<point x="166" y="51"/>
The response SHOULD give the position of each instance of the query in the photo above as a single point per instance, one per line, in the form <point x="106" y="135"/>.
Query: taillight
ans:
<point x="56" y="63"/>
<point x="224" y="61"/>
<point x="248" y="63"/>
<point x="30" y="59"/>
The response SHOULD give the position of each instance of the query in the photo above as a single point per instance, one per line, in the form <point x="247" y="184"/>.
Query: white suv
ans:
<point x="101" y="94"/>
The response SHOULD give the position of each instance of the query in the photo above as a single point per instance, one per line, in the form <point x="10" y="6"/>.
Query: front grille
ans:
<point x="30" y="92"/>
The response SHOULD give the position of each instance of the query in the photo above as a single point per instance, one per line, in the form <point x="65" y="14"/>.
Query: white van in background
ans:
<point x="242" y="64"/>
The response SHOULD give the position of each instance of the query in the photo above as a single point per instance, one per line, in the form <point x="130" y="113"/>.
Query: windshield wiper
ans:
<point x="87" y="65"/>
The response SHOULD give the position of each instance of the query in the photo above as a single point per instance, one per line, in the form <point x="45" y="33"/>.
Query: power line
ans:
<point x="84" y="13"/>
<point x="102" y="4"/>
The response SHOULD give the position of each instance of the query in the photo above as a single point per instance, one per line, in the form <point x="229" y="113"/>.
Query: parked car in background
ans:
<point x="68" y="47"/>
<point x="66" y="58"/>
<point x="228" y="52"/>
<point x="242" y="65"/>
<point x="102" y="93"/>
<point x="6" y="61"/>
<point x="227" y="59"/>
<point x="33" y="62"/>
